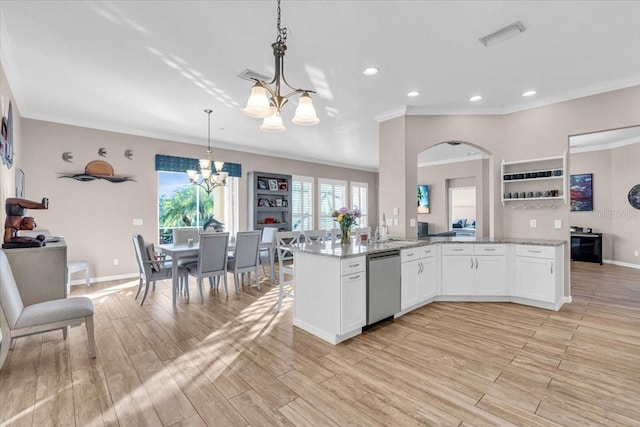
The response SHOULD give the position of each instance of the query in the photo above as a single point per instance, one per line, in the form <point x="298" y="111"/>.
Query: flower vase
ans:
<point x="345" y="239"/>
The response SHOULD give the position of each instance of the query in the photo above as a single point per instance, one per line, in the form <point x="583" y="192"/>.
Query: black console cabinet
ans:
<point x="586" y="247"/>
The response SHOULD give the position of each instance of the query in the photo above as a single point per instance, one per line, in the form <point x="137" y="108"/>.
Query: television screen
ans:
<point x="423" y="199"/>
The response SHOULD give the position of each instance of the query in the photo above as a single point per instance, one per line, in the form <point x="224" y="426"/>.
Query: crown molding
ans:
<point x="391" y="114"/>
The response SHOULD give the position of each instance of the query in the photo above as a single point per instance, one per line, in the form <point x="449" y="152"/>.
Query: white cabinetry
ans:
<point x="330" y="296"/>
<point x="353" y="303"/>
<point x="534" y="180"/>
<point x="474" y="270"/>
<point x="539" y="275"/>
<point x="419" y="276"/>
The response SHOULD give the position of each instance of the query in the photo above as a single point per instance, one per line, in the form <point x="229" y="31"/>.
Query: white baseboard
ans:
<point x="105" y="278"/>
<point x="621" y="264"/>
<point x="567" y="300"/>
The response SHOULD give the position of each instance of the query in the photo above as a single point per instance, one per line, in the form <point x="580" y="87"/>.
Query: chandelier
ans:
<point x="209" y="180"/>
<point x="259" y="105"/>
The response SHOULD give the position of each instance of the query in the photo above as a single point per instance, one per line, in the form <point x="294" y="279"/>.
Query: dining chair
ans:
<point x="335" y="234"/>
<point x="245" y="257"/>
<point x="268" y="238"/>
<point x="151" y="269"/>
<point x="181" y="236"/>
<point x="16" y="320"/>
<point x="284" y="241"/>
<point x="314" y="236"/>
<point x="212" y="261"/>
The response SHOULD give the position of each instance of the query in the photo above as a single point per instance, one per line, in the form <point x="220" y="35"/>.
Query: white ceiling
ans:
<point x="151" y="67"/>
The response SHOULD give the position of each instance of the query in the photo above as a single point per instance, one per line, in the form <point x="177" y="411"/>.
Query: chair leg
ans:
<point x="139" y="288"/>
<point x="86" y="277"/>
<point x="4" y="348"/>
<point x="264" y="273"/>
<point x="65" y="331"/>
<point x="88" y="323"/>
<point x="280" y="294"/>
<point x="200" y="289"/>
<point x="146" y="291"/>
<point x="226" y="290"/>
<point x="211" y="282"/>
<point x="257" y="279"/>
<point x="235" y="282"/>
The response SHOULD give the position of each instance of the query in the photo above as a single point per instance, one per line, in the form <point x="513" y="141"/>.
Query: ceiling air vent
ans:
<point x="253" y="76"/>
<point x="502" y="33"/>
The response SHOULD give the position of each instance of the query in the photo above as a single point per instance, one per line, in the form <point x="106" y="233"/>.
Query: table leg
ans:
<point x="272" y="259"/>
<point x="174" y="277"/>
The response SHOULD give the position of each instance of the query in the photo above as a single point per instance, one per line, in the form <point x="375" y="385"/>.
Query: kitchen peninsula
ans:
<point x="332" y="295"/>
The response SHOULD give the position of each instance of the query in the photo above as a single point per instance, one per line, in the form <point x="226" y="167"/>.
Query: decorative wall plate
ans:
<point x="634" y="196"/>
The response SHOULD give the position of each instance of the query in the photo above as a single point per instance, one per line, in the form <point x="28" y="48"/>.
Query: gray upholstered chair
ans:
<point x="245" y="257"/>
<point x="181" y="236"/>
<point x="268" y="237"/>
<point x="151" y="269"/>
<point x="284" y="241"/>
<point x="212" y="260"/>
<point x="334" y="235"/>
<point x="16" y="320"/>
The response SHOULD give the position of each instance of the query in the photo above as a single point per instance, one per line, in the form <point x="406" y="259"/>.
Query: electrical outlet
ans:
<point x="533" y="223"/>
<point x="635" y="252"/>
<point x="137" y="221"/>
<point x="389" y="222"/>
<point x="395" y="221"/>
<point x="396" y="211"/>
<point x="557" y="223"/>
<point x="412" y="222"/>
<point x="116" y="261"/>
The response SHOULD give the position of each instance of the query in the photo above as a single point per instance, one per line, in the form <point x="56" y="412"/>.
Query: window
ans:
<point x="359" y="200"/>
<point x="182" y="204"/>
<point x="302" y="203"/>
<point x="333" y="195"/>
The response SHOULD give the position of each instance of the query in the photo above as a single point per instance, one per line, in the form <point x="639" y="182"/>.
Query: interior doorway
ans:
<point x="462" y="210"/>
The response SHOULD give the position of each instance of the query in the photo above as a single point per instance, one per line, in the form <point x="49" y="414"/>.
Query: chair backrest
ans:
<point x="284" y="239"/>
<point x="333" y="234"/>
<point x="247" y="247"/>
<point x="212" y="253"/>
<point x="182" y="235"/>
<point x="142" y="255"/>
<point x="314" y="236"/>
<point x="269" y="234"/>
<point x="10" y="299"/>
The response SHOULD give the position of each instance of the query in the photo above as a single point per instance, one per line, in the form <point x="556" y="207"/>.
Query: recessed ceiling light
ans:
<point x="529" y="93"/>
<point x="475" y="98"/>
<point x="371" y="71"/>
<point x="413" y="93"/>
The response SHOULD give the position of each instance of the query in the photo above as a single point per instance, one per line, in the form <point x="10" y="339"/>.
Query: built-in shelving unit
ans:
<point x="269" y="200"/>
<point x="534" y="180"/>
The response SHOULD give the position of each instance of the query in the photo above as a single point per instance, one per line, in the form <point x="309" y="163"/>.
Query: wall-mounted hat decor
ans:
<point x="98" y="169"/>
<point x="102" y="152"/>
<point x="634" y="196"/>
<point x="67" y="156"/>
<point x="128" y="154"/>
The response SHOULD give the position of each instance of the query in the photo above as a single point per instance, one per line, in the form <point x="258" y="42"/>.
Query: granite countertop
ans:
<point x="335" y="249"/>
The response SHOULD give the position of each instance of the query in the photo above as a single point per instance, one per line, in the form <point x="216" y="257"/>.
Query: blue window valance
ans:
<point x="181" y="164"/>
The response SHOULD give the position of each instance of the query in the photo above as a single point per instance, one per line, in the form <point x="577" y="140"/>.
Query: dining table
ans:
<point x="181" y="250"/>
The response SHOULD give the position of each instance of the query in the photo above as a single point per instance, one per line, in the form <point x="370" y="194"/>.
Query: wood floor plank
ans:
<point x="236" y="361"/>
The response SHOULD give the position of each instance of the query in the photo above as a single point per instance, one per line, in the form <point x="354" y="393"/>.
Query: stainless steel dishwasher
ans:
<point x="383" y="285"/>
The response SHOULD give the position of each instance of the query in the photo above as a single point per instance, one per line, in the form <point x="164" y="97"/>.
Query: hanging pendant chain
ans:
<point x="282" y="32"/>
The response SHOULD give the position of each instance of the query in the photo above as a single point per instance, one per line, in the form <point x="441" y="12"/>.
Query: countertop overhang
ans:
<point x="336" y="249"/>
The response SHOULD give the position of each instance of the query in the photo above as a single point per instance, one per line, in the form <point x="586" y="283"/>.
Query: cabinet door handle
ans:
<point x="471" y="263"/>
<point x="476" y="263"/>
<point x="457" y="249"/>
<point x="489" y="249"/>
<point x="551" y="267"/>
<point x="354" y="277"/>
<point x="534" y="252"/>
<point x="410" y="254"/>
<point x="354" y="265"/>
<point x="421" y="267"/>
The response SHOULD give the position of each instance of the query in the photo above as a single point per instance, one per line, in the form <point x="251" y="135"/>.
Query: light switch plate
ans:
<point x="533" y="223"/>
<point x="396" y="211"/>
<point x="395" y="222"/>
<point x="137" y="221"/>
<point x="557" y="223"/>
<point x="389" y="221"/>
<point x="412" y="222"/>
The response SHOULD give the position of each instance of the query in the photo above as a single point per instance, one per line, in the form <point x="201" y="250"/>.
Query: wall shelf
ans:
<point x="269" y="200"/>
<point x="531" y="179"/>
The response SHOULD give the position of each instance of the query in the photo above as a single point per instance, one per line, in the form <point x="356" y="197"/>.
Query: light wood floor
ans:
<point x="237" y="362"/>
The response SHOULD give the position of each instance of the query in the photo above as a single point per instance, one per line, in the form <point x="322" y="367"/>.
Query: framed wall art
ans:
<point x="423" y="199"/>
<point x="581" y="189"/>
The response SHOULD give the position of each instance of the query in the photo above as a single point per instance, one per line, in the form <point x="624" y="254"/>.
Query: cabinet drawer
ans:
<point x="492" y="249"/>
<point x="427" y="251"/>
<point x="536" y="251"/>
<point x="352" y="265"/>
<point x="407" y="255"/>
<point x="457" y="249"/>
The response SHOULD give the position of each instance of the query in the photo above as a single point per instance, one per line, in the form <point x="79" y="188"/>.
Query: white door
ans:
<point x="458" y="275"/>
<point x="491" y="275"/>
<point x="409" y="284"/>
<point x="353" y="305"/>
<point x="535" y="278"/>
<point x="427" y="279"/>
